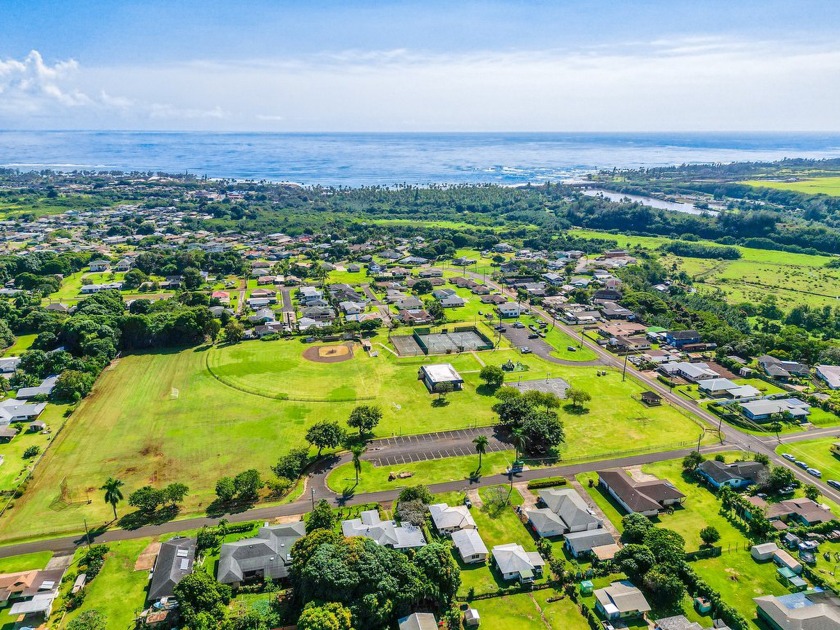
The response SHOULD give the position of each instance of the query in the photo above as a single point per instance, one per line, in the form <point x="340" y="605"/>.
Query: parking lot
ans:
<point x="417" y="448"/>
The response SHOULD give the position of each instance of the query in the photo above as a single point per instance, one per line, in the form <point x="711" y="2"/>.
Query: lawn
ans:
<point x="603" y="500"/>
<point x="22" y="344"/>
<point x="792" y="278"/>
<point x="816" y="453"/>
<point x="118" y="592"/>
<point x="738" y="578"/>
<point x="25" y="562"/>
<point x="561" y="342"/>
<point x="701" y="508"/>
<point x="375" y="478"/>
<point x="529" y="611"/>
<point x="814" y="186"/>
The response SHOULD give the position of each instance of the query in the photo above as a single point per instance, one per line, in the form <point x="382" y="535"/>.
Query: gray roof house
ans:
<point x="418" y="621"/>
<point x="174" y="561"/>
<point x="265" y="555"/>
<point x="13" y="410"/>
<point x="514" y="563"/>
<point x="469" y="545"/>
<point x="810" y="610"/>
<point x="620" y="600"/>
<point x="44" y="389"/>
<point x="385" y="533"/>
<point x="571" y="509"/>
<point x="582" y="543"/>
<point x="451" y="519"/>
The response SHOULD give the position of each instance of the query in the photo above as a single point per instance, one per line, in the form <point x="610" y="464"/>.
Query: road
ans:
<point x="441" y="444"/>
<point x="316" y="482"/>
<point x="734" y="437"/>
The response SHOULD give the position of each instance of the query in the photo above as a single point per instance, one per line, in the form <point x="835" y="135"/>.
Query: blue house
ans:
<point x="737" y="475"/>
<point x="680" y="338"/>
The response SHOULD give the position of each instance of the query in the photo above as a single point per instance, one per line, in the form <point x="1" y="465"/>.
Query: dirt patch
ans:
<point x="636" y="473"/>
<point x="146" y="559"/>
<point x="329" y="354"/>
<point x="291" y="518"/>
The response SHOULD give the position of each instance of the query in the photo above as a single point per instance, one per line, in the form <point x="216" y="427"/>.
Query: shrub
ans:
<point x="548" y="482"/>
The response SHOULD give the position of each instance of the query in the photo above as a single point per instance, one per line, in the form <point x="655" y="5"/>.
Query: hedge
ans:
<point x="548" y="482"/>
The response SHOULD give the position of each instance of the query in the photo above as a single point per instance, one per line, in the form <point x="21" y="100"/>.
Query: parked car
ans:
<point x="571" y="348"/>
<point x="519" y="325"/>
<point x="834" y="484"/>
<point x="533" y="336"/>
<point x="525" y="350"/>
<point x="789" y="457"/>
<point x="814" y="472"/>
<point x="468" y="503"/>
<point x="801" y="464"/>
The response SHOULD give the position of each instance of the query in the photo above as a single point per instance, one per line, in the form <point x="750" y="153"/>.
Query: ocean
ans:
<point x="355" y="159"/>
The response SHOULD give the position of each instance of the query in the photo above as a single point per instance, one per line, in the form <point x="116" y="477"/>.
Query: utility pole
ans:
<point x="624" y="371"/>
<point x="313" y="498"/>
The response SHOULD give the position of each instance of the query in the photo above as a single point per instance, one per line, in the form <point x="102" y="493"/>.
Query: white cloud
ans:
<point x="692" y="83"/>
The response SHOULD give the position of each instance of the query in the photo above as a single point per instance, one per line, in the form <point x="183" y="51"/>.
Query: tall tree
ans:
<point x="519" y="441"/>
<point x="113" y="494"/>
<point x="365" y="418"/>
<point x="481" y="443"/>
<point x="325" y="435"/>
<point x="357" y="460"/>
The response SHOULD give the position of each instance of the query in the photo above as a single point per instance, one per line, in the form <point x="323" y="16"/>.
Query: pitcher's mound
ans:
<point x="329" y="354"/>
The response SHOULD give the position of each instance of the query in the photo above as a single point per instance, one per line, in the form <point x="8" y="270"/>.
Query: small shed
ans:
<point x="651" y="399"/>
<point x="784" y="559"/>
<point x="791" y="580"/>
<point x="586" y="587"/>
<point x="471" y="618"/>
<point x="702" y="605"/>
<point x="763" y="552"/>
<point x="79" y="584"/>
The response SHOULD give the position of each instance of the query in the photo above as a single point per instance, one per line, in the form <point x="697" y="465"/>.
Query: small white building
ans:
<point x="451" y="519"/>
<point x="509" y="309"/>
<point x="433" y="375"/>
<point x="470" y="546"/>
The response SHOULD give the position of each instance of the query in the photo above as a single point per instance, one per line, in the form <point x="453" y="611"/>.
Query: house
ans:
<point x="716" y="386"/>
<point x="124" y="264"/>
<point x="451" y="519"/>
<point x="267" y="555"/>
<point x="620" y="600"/>
<point x="262" y="316"/>
<point x="7" y="433"/>
<point x="352" y="308"/>
<point x="802" y="511"/>
<point x="564" y="512"/>
<point x="582" y="543"/>
<point x="809" y="610"/>
<point x="782" y="370"/>
<point x="509" y="309"/>
<point x="452" y="301"/>
<point x="644" y="497"/>
<point x="174" y="561"/>
<point x="30" y="592"/>
<point x="409" y="303"/>
<point x="14" y="410"/>
<point x="44" y="389"/>
<point x="830" y="374"/>
<point x="319" y="313"/>
<point x="433" y="375"/>
<point x="98" y="266"/>
<point x="8" y="365"/>
<point x="385" y="533"/>
<point x="762" y="410"/>
<point x="691" y="372"/>
<point x="96" y="288"/>
<point x="418" y="621"/>
<point x="763" y="552"/>
<point x="606" y="295"/>
<point x="737" y="475"/>
<point x="57" y="307"/>
<point x="680" y="622"/>
<point x="514" y="563"/>
<point x="222" y="296"/>
<point x="415" y="316"/>
<point x="470" y="546"/>
<point x="680" y="338"/>
<point x="743" y="391"/>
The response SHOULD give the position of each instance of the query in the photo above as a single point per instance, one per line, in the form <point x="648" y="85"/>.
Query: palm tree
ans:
<point x="113" y="494"/>
<point x="357" y="460"/>
<point x="518" y="441"/>
<point x="481" y="443"/>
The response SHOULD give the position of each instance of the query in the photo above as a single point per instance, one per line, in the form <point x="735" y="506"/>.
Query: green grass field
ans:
<point x="160" y="418"/>
<point x="816" y="453"/>
<point x="375" y="478"/>
<point x="22" y="344"/>
<point x="813" y="186"/>
<point x="793" y="278"/>
<point x="530" y="611"/>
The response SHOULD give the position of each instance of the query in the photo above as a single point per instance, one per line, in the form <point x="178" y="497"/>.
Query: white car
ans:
<point x="789" y="457"/>
<point x="814" y="472"/>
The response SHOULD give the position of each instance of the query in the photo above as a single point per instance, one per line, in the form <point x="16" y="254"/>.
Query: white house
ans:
<point x="830" y="374"/>
<point x="470" y="546"/>
<point x="451" y="519"/>
<point x="514" y="563"/>
<point x="509" y="309"/>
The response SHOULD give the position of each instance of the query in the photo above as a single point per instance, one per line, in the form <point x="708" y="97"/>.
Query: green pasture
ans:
<point x="816" y="453"/>
<point x="530" y="611"/>
<point x="812" y="186"/>
<point x="22" y="344"/>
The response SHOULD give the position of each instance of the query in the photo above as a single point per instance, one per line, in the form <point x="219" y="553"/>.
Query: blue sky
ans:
<point x="404" y="66"/>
